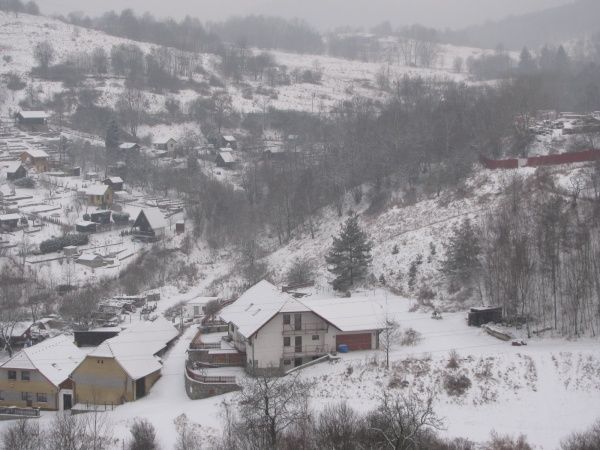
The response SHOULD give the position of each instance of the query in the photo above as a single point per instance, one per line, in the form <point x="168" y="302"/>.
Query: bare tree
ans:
<point x="131" y="107"/>
<point x="143" y="435"/>
<point x="43" y="53"/>
<point x="67" y="432"/>
<point x="389" y="337"/>
<point x="24" y="434"/>
<point x="188" y="434"/>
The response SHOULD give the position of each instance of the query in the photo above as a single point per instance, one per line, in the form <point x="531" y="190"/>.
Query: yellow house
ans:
<point x="99" y="195"/>
<point x="125" y="367"/>
<point x="38" y="376"/>
<point x="37" y="159"/>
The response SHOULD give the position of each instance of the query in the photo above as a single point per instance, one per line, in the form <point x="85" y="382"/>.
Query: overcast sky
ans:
<point x="322" y="13"/>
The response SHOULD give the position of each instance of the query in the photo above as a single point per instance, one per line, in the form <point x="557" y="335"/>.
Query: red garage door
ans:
<point x="354" y="341"/>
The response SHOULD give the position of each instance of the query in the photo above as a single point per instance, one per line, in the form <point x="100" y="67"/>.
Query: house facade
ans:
<point x="99" y="195"/>
<point x="33" y="379"/>
<point x="38" y="159"/>
<point x="278" y="332"/>
<point x="165" y="144"/>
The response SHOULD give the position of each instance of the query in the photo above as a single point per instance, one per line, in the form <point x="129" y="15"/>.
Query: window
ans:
<point x="25" y="375"/>
<point x="297" y="322"/>
<point x="286" y="362"/>
<point x="315" y="337"/>
<point x="26" y="396"/>
<point x="42" y="397"/>
<point x="1" y="395"/>
<point x="287" y="342"/>
<point x="286" y="319"/>
<point x="12" y="374"/>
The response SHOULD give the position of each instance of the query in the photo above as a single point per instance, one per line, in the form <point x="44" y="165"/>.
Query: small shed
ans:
<point x="150" y="222"/>
<point x="9" y="221"/>
<point x="116" y="183"/>
<point x="90" y="260"/>
<point x="32" y="119"/>
<point x="37" y="158"/>
<point x="165" y="144"/>
<point x="129" y="147"/>
<point x="15" y="171"/>
<point x="484" y="314"/>
<point x="225" y="160"/>
<point x="102" y="217"/>
<point x="229" y="142"/>
<point x="85" y="226"/>
<point x="70" y="251"/>
<point x="99" y="195"/>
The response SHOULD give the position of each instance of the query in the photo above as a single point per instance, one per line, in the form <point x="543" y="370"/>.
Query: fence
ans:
<point x="545" y="160"/>
<point x="209" y="380"/>
<point x="20" y="412"/>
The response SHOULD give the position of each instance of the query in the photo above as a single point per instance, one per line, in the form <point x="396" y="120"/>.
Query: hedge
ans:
<point x="57" y="244"/>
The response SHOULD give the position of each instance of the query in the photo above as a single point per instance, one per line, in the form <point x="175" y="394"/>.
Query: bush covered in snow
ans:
<point x="57" y="244"/>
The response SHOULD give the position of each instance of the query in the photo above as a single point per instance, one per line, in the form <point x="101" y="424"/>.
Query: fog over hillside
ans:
<point x="324" y="14"/>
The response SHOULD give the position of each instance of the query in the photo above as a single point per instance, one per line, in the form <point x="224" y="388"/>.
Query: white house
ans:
<point x="278" y="332"/>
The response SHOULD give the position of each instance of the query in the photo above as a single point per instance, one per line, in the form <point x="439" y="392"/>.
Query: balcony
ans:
<point x="308" y="328"/>
<point x="305" y="350"/>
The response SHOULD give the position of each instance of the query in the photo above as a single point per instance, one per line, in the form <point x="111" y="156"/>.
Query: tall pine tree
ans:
<point x="112" y="135"/>
<point x="350" y="255"/>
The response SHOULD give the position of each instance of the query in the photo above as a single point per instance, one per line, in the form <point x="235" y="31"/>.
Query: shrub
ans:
<point x="14" y="82"/>
<point x="143" y="435"/>
<point x="395" y="249"/>
<point x="453" y="360"/>
<point x="586" y="440"/>
<point x="410" y="337"/>
<point x="456" y="385"/>
<point x="57" y="244"/>
<point x="26" y="182"/>
<point x="425" y="293"/>
<point x="302" y="271"/>
<point x="508" y="443"/>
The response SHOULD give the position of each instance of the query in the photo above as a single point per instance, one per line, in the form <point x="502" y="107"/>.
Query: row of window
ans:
<point x="25" y="375"/>
<point x="28" y="397"/>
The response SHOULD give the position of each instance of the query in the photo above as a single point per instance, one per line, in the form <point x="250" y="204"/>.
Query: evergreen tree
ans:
<point x="112" y="135"/>
<point x="462" y="252"/>
<point x="527" y="64"/>
<point x="350" y="255"/>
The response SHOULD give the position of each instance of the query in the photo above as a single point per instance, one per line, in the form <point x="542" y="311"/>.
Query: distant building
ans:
<point x="101" y="216"/>
<point x="15" y="171"/>
<point x="99" y="195"/>
<point x="38" y="376"/>
<point x="165" y="144"/>
<point x="484" y="314"/>
<point x="229" y="142"/>
<point x="10" y="221"/>
<point x="225" y="160"/>
<point x="36" y="158"/>
<point x="90" y="260"/>
<point x="32" y="119"/>
<point x="116" y="183"/>
<point x="150" y="222"/>
<point x="129" y="147"/>
<point x="85" y="226"/>
<point x="124" y="368"/>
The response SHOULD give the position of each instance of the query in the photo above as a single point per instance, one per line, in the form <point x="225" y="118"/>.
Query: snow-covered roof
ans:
<point x="84" y="223"/>
<point x="229" y="138"/>
<point x="128" y="145"/>
<point x="7" y="217"/>
<point x="349" y="314"/>
<point x="259" y="304"/>
<point x="162" y="140"/>
<point x="13" y="166"/>
<point x="89" y="257"/>
<point x="135" y="347"/>
<point x="34" y="114"/>
<point x="227" y="157"/>
<point x="96" y="189"/>
<point x="36" y="153"/>
<point x="20" y="328"/>
<point x="55" y="358"/>
<point x="115" y="180"/>
<point x="155" y="218"/>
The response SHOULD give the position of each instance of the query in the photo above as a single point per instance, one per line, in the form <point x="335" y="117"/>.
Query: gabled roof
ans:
<point x="97" y="189"/>
<point x="55" y="358"/>
<point x="36" y="153"/>
<point x="229" y="138"/>
<point x="13" y="166"/>
<point x="259" y="304"/>
<point x="162" y="140"/>
<point x="227" y="157"/>
<point x="155" y="218"/>
<point x="114" y="180"/>
<point x="135" y="347"/>
<point x="34" y="114"/>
